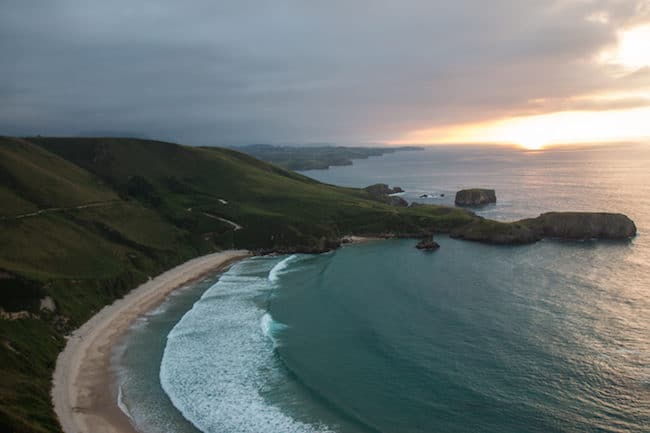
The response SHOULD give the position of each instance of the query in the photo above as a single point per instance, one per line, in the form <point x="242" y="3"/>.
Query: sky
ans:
<point x="206" y="72"/>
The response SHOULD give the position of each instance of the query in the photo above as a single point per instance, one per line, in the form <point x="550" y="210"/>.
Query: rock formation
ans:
<point x="382" y="192"/>
<point x="494" y="232"/>
<point x="558" y="225"/>
<point x="427" y="245"/>
<point x="397" y="201"/>
<point x="475" y="197"/>
<point x="381" y="189"/>
<point x="583" y="225"/>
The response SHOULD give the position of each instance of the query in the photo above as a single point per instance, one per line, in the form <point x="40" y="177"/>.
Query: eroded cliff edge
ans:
<point x="558" y="225"/>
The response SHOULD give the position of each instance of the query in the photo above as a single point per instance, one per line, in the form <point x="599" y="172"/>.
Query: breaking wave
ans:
<point x="218" y="357"/>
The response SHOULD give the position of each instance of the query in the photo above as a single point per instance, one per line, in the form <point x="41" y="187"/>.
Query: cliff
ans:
<point x="382" y="192"/>
<point x="581" y="225"/>
<point x="558" y="225"/>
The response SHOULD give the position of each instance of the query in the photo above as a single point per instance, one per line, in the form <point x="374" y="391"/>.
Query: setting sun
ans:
<point x="532" y="144"/>
<point x="538" y="132"/>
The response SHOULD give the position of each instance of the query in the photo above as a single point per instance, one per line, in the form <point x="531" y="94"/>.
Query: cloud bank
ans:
<point x="290" y="71"/>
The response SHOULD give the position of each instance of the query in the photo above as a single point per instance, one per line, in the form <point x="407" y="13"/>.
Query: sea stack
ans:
<point x="475" y="197"/>
<point x="427" y="245"/>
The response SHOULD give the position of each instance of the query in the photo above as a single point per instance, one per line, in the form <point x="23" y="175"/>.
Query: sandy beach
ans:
<point x="83" y="393"/>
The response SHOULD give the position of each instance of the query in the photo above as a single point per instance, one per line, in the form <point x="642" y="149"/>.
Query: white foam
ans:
<point x="270" y="327"/>
<point x="279" y="269"/>
<point x="265" y="324"/>
<point x="122" y="404"/>
<point x="216" y="360"/>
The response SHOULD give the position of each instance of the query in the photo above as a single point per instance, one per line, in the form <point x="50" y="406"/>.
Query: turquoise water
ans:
<point x="380" y="337"/>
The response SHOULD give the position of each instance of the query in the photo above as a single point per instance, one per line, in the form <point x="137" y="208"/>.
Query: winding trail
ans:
<point x="233" y="224"/>
<point x="39" y="212"/>
<point x="59" y="209"/>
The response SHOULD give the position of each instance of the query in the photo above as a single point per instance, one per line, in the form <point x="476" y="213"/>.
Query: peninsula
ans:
<point x="320" y="157"/>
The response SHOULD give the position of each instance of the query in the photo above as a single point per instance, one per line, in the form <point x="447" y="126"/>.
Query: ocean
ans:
<point x="381" y="337"/>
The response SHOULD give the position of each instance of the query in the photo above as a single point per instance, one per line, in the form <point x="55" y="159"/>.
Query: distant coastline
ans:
<point x="305" y="158"/>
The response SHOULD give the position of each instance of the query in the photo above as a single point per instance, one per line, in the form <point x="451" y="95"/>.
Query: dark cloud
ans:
<point x="209" y="72"/>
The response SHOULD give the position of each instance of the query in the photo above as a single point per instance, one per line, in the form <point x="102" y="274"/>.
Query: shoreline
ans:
<point x="83" y="388"/>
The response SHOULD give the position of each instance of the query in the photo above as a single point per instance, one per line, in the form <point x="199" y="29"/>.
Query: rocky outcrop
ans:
<point x="427" y="245"/>
<point x="47" y="304"/>
<point x="318" y="247"/>
<point x="381" y="189"/>
<point x="382" y="192"/>
<point x="495" y="232"/>
<point x="475" y="197"/>
<point x="584" y="225"/>
<point x="558" y="225"/>
<point x="397" y="201"/>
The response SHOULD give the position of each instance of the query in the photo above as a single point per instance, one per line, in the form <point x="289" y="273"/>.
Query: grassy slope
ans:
<point x="142" y="224"/>
<point x="82" y="258"/>
<point x="295" y="210"/>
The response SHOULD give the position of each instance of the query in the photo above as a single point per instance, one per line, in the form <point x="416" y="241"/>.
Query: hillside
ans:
<point x="83" y="221"/>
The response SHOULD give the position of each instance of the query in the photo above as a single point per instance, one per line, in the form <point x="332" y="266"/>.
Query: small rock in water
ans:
<point x="427" y="245"/>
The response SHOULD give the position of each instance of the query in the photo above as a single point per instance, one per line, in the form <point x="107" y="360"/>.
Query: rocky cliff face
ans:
<point x="559" y="225"/>
<point x="382" y="192"/>
<point x="381" y="189"/>
<point x="494" y="232"/>
<point x="583" y="225"/>
<point x="475" y="197"/>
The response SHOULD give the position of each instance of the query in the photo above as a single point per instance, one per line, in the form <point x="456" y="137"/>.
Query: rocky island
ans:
<point x="557" y="225"/>
<point x="475" y="197"/>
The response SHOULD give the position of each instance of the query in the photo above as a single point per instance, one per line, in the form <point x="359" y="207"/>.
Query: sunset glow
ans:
<point x="538" y="132"/>
<point x="619" y="115"/>
<point x="633" y="49"/>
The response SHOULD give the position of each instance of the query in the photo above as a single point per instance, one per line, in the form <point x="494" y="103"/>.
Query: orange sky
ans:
<point x="605" y="123"/>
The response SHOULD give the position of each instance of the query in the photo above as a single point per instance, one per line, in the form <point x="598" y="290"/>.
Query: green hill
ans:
<point x="83" y="221"/>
